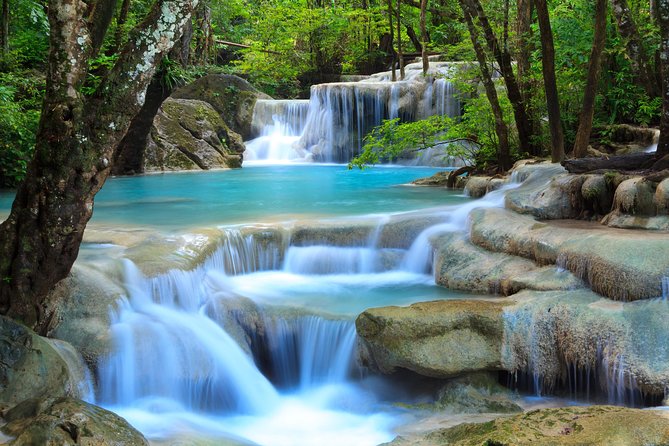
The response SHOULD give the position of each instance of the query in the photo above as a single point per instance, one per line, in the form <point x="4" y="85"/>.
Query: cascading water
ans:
<point x="338" y="116"/>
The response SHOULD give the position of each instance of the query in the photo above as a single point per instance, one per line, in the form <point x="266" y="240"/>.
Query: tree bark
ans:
<point x="550" y="84"/>
<point x="423" y="36"/>
<point x="503" y="59"/>
<point x="663" y="21"/>
<point x="641" y="66"/>
<point x="400" y="55"/>
<point x="392" y="39"/>
<point x="623" y="163"/>
<point x="4" y="27"/>
<point x="590" y="93"/>
<point x="501" y="129"/>
<point x="75" y="144"/>
<point x="120" y="24"/>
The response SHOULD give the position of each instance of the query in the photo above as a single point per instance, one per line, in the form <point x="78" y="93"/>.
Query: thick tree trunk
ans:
<point x="590" y="93"/>
<point x="400" y="54"/>
<point x="76" y="140"/>
<point x="4" y="27"/>
<point x="120" y="25"/>
<point x="550" y="84"/>
<point x="501" y="129"/>
<point x="423" y="36"/>
<point x="503" y="59"/>
<point x="663" y="21"/>
<point x="641" y="66"/>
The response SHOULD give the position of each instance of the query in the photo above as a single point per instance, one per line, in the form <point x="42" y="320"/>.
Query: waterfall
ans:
<point x="330" y="127"/>
<point x="419" y="257"/>
<point x="665" y="288"/>
<point x="309" y="351"/>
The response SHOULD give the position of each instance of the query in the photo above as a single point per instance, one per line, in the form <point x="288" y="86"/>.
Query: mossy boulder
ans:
<point x="231" y="96"/>
<point x="592" y="425"/>
<point x="440" y="339"/>
<point x="474" y="394"/>
<point x="477" y="186"/>
<point x="31" y="367"/>
<point x="191" y="135"/>
<point x="68" y="422"/>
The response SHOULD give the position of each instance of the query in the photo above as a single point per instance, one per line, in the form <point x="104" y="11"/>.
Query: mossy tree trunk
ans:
<point x="503" y="58"/>
<point x="76" y="140"/>
<point x="590" y="93"/>
<point x="501" y="129"/>
<point x="550" y="83"/>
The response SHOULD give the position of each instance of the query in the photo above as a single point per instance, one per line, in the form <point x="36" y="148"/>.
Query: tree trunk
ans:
<point x="501" y="129"/>
<point x="550" y="85"/>
<point x="641" y="67"/>
<point x="631" y="162"/>
<point x="523" y="34"/>
<point x="4" y="27"/>
<point x="590" y="93"/>
<point x="400" y="54"/>
<point x="120" y="24"/>
<point x="413" y="37"/>
<point x="423" y="36"/>
<point x="663" y="21"/>
<point x="503" y="59"/>
<point x="392" y="39"/>
<point x="75" y="144"/>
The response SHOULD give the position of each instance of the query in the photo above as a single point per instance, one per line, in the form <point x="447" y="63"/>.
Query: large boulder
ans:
<point x="231" y="96"/>
<point x="68" y="422"/>
<point x="191" y="135"/>
<point x="31" y="367"/>
<point x="440" y="339"/>
<point x="591" y="425"/>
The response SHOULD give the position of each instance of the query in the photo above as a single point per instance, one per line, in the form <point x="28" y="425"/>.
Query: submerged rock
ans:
<point x="439" y="339"/>
<point x="190" y="134"/>
<point x="67" y="421"/>
<point x="593" y="425"/>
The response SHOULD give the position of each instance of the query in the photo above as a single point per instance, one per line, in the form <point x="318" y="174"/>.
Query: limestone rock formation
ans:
<point x="68" y="422"/>
<point x="440" y="339"/>
<point x="190" y="134"/>
<point x="231" y="96"/>
<point x="592" y="425"/>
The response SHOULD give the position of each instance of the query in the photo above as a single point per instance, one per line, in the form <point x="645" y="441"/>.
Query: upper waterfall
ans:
<point x="331" y="125"/>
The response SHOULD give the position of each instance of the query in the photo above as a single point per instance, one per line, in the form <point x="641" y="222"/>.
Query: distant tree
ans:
<point x="76" y="140"/>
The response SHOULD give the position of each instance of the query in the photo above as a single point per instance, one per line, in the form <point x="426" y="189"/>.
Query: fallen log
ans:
<point x="634" y="161"/>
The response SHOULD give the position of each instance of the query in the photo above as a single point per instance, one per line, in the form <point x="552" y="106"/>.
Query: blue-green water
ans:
<point x="260" y="193"/>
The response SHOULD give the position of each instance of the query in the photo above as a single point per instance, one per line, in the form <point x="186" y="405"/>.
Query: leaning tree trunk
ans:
<point x="501" y="129"/>
<point x="75" y="144"/>
<point x="590" y="93"/>
<point x="400" y="53"/>
<point x="423" y="36"/>
<point x="550" y="84"/>
<point x="503" y="58"/>
<point x="663" y="21"/>
<point x="392" y="39"/>
<point x="639" y="61"/>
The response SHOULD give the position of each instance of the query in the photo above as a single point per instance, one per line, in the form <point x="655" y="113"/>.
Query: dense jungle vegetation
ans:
<point x="284" y="46"/>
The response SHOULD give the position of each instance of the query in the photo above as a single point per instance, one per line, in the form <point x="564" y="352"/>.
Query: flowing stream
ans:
<point x="180" y="366"/>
